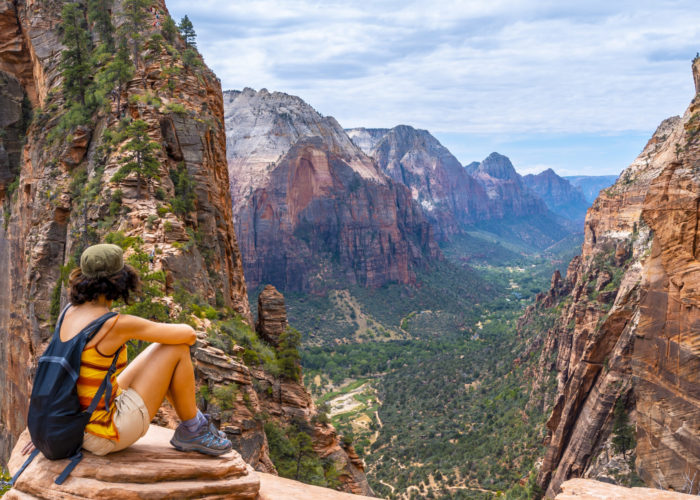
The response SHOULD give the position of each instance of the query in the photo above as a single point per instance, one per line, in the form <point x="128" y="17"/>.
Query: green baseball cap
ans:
<point x="100" y="261"/>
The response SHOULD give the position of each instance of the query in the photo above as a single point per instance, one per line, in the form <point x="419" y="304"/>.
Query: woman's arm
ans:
<point x="132" y="327"/>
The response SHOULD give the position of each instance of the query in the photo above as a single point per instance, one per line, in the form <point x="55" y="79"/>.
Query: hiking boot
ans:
<point x="207" y="439"/>
<point x="213" y="428"/>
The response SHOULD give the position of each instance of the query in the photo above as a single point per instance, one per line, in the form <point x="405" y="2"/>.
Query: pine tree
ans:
<point x="142" y="159"/>
<point x="75" y="59"/>
<point x="288" y="354"/>
<point x="184" y="200"/>
<point x="187" y="32"/>
<point x="118" y="72"/>
<point x="99" y="14"/>
<point x="190" y="58"/>
<point x="135" y="15"/>
<point x="624" y="438"/>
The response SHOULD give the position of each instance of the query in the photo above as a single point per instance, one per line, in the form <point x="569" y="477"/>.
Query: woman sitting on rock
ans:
<point x="164" y="369"/>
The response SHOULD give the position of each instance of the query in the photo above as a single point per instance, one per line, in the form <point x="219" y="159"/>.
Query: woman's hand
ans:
<point x="28" y="448"/>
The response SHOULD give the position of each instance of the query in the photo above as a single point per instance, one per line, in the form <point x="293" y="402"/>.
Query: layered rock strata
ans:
<point x="455" y="198"/>
<point x="627" y="332"/>
<point x="310" y="207"/>
<point x="49" y="218"/>
<point x="506" y="188"/>
<point x="272" y="315"/>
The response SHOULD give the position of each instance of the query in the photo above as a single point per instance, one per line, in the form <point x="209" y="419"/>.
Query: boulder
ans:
<point x="587" y="489"/>
<point x="149" y="469"/>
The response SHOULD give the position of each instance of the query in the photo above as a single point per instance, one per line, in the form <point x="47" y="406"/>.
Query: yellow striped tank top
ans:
<point x="93" y="368"/>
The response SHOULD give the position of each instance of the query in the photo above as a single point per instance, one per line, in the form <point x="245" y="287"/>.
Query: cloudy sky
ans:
<point x="578" y="86"/>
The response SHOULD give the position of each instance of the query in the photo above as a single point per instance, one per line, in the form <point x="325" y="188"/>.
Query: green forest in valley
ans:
<point x="429" y="381"/>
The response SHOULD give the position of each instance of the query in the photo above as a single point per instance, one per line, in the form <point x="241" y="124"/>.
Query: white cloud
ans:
<point x="461" y="66"/>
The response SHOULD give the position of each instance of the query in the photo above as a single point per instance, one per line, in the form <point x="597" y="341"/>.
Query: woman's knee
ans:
<point x="174" y="349"/>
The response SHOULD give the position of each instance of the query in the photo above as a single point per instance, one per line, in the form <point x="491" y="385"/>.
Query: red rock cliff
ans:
<point x="627" y="334"/>
<point x="310" y="206"/>
<point x="44" y="225"/>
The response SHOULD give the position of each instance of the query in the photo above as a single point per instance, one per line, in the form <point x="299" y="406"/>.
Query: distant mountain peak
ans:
<point x="497" y="166"/>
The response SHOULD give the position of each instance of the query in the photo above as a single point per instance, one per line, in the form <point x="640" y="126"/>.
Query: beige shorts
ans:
<point x="131" y="420"/>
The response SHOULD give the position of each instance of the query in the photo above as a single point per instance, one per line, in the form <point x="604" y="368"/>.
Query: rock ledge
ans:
<point x="588" y="489"/>
<point x="149" y="469"/>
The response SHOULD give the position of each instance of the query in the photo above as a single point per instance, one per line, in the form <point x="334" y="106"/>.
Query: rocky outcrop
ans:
<point x="586" y="489"/>
<point x="275" y="488"/>
<point x="560" y="196"/>
<point x="626" y="336"/>
<point x="50" y="216"/>
<point x="149" y="469"/>
<point x="310" y="206"/>
<point x="153" y="469"/>
<point x="272" y="315"/>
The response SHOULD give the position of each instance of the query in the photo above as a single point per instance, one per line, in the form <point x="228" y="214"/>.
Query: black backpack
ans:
<point x="55" y="421"/>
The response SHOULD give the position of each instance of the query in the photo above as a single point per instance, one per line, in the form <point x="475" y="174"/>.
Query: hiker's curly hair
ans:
<point x="120" y="285"/>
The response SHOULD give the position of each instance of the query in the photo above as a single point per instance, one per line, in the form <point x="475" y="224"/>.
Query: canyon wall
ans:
<point x="310" y="207"/>
<point x="626" y="338"/>
<point x="42" y="226"/>
<point x="454" y="199"/>
<point x="448" y="195"/>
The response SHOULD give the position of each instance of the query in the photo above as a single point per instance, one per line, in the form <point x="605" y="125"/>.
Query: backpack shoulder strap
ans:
<point x="29" y="459"/>
<point x="94" y="326"/>
<point x="74" y="460"/>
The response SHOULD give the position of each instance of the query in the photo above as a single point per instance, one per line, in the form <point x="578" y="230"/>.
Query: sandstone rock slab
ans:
<point x="149" y="469"/>
<point x="587" y="489"/>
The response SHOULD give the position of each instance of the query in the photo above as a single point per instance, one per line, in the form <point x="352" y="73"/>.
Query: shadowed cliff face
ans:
<point x="310" y="206"/>
<point x="44" y="226"/>
<point x="628" y="329"/>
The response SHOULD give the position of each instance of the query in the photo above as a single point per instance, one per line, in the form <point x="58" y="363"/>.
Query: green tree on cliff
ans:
<point x="99" y="14"/>
<point x="288" y="357"/>
<point x="187" y="32"/>
<point x="135" y="15"/>
<point x="142" y="158"/>
<point x="169" y="29"/>
<point x="184" y="200"/>
<point x="624" y="438"/>
<point x="118" y="72"/>
<point x="75" y="59"/>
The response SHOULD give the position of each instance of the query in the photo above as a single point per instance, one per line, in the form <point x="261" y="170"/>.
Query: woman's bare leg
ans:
<point x="161" y="369"/>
